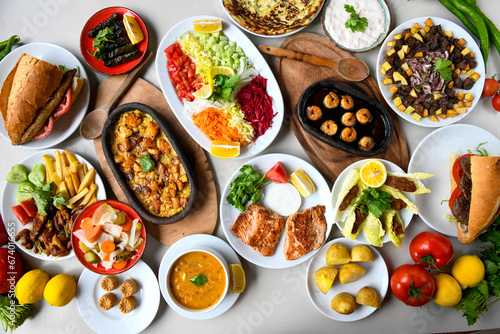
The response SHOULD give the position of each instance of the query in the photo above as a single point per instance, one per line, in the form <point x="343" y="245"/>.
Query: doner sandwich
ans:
<point x="33" y="96"/>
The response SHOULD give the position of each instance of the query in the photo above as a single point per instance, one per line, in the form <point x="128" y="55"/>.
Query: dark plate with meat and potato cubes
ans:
<point x="345" y="118"/>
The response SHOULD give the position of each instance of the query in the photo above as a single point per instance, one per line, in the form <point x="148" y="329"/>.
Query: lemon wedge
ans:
<point x="133" y="29"/>
<point x="373" y="173"/>
<point x="221" y="70"/>
<point x="302" y="182"/>
<point x="237" y="279"/>
<point x="204" y="92"/>
<point x="207" y="26"/>
<point x="224" y="150"/>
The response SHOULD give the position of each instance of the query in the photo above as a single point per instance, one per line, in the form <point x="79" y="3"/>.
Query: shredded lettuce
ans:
<point x="193" y="49"/>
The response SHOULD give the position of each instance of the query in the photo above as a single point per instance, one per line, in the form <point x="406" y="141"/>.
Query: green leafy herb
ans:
<point x="146" y="163"/>
<point x="443" y="67"/>
<point x="355" y="22"/>
<point x="223" y="86"/>
<point x="374" y="201"/>
<point x="476" y="301"/>
<point x="481" y="151"/>
<point x="198" y="280"/>
<point x="42" y="196"/>
<point x="12" y="314"/>
<point x="59" y="200"/>
<point x="63" y="68"/>
<point x="103" y="36"/>
<point x="246" y="187"/>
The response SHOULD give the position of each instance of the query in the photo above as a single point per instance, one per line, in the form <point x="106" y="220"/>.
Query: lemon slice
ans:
<point x="224" y="150"/>
<point x="373" y="173"/>
<point x="237" y="279"/>
<point x="207" y="26"/>
<point x="221" y="70"/>
<point x="133" y="29"/>
<point x="204" y="92"/>
<point x="302" y="182"/>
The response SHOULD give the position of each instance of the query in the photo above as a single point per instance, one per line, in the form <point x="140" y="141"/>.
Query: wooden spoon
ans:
<point x="352" y="68"/>
<point x="92" y="124"/>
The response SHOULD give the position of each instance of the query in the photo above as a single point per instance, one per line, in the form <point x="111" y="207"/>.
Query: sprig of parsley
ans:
<point x="443" y="67"/>
<point x="223" y="86"/>
<point x="42" y="196"/>
<point x="374" y="201"/>
<point x="198" y="280"/>
<point x="247" y="186"/>
<point x="355" y="22"/>
<point x="146" y="162"/>
<point x="103" y="36"/>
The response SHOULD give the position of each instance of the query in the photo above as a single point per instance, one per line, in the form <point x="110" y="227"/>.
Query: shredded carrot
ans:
<point x="108" y="246"/>
<point x="120" y="264"/>
<point x="214" y="125"/>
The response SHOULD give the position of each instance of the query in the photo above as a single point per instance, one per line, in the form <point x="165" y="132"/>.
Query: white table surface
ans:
<point x="275" y="301"/>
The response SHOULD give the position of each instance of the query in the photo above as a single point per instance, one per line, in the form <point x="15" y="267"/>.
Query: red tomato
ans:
<point x="495" y="102"/>
<point x="47" y="128"/>
<point x="491" y="87"/>
<point x="4" y="237"/>
<point x="65" y="104"/>
<point x="456" y="170"/>
<point x="412" y="284"/>
<point x="431" y="250"/>
<point x="278" y="173"/>
<point x="11" y="269"/>
<point x="457" y="192"/>
<point x="182" y="71"/>
<point x="21" y="214"/>
<point x="30" y="207"/>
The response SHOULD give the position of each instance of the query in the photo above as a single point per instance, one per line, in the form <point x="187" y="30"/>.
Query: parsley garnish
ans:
<point x="355" y="22"/>
<point x="198" y="280"/>
<point x="374" y="201"/>
<point x="223" y="86"/>
<point x="104" y="35"/>
<point x="443" y="67"/>
<point x="146" y="163"/>
<point x="42" y="196"/>
<point x="59" y="200"/>
<point x="245" y="187"/>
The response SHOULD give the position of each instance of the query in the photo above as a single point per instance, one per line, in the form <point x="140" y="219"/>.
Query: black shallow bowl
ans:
<point x="122" y="181"/>
<point x="380" y="128"/>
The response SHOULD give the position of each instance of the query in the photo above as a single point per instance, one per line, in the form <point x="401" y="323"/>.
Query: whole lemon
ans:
<point x="468" y="270"/>
<point x="448" y="292"/>
<point x="60" y="290"/>
<point x="29" y="288"/>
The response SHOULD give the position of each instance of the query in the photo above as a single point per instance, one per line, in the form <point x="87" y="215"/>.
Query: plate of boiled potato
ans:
<point x="347" y="280"/>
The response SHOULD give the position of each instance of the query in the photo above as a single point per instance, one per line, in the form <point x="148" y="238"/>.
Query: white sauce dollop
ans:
<point x="336" y="17"/>
<point x="282" y="198"/>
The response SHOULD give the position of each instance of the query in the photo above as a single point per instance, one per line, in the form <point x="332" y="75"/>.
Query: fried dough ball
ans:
<point x="348" y="135"/>
<point x="348" y="119"/>
<point x="329" y="128"/>
<point x="331" y="100"/>
<point x="127" y="304"/>
<point x="313" y="113"/>
<point x="365" y="143"/>
<point x="109" y="283"/>
<point x="347" y="102"/>
<point x="363" y="115"/>
<point x="107" y="301"/>
<point x="129" y="287"/>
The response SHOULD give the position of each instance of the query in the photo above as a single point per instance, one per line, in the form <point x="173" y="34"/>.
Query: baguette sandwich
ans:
<point x="475" y="194"/>
<point x="33" y="96"/>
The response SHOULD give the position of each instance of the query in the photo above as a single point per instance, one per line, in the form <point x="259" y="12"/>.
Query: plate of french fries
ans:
<point x="74" y="178"/>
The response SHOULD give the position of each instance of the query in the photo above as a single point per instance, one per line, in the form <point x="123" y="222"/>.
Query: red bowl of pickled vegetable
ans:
<point x="86" y="41"/>
<point x="87" y="212"/>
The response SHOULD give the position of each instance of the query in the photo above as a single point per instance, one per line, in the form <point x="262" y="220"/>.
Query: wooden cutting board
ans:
<point x="203" y="216"/>
<point x="295" y="76"/>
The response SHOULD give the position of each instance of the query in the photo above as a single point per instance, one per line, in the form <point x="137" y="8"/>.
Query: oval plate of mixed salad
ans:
<point x="219" y="87"/>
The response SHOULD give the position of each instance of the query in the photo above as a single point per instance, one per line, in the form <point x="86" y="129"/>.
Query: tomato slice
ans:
<point x="21" y="214"/>
<point x="278" y="173"/>
<point x="45" y="130"/>
<point x="457" y="170"/>
<point x="65" y="104"/>
<point x="30" y="207"/>
<point x="456" y="193"/>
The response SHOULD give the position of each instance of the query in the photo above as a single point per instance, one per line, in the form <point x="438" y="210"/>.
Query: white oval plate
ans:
<point x="270" y="36"/>
<point x="56" y="55"/>
<point x="376" y="277"/>
<point x="114" y="321"/>
<point x="168" y="89"/>
<point x="405" y="215"/>
<point x="320" y="196"/>
<point x="432" y="155"/>
<point x="9" y="200"/>
<point x="458" y="32"/>
<point x="192" y="242"/>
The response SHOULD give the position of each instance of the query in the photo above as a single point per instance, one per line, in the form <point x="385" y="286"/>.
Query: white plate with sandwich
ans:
<point x="36" y="93"/>
<point x="372" y="230"/>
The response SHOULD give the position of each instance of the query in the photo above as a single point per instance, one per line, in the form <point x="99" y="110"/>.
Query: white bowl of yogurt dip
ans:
<point x="378" y="17"/>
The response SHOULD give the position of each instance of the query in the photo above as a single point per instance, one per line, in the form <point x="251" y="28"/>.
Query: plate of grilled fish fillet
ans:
<point x="268" y="239"/>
